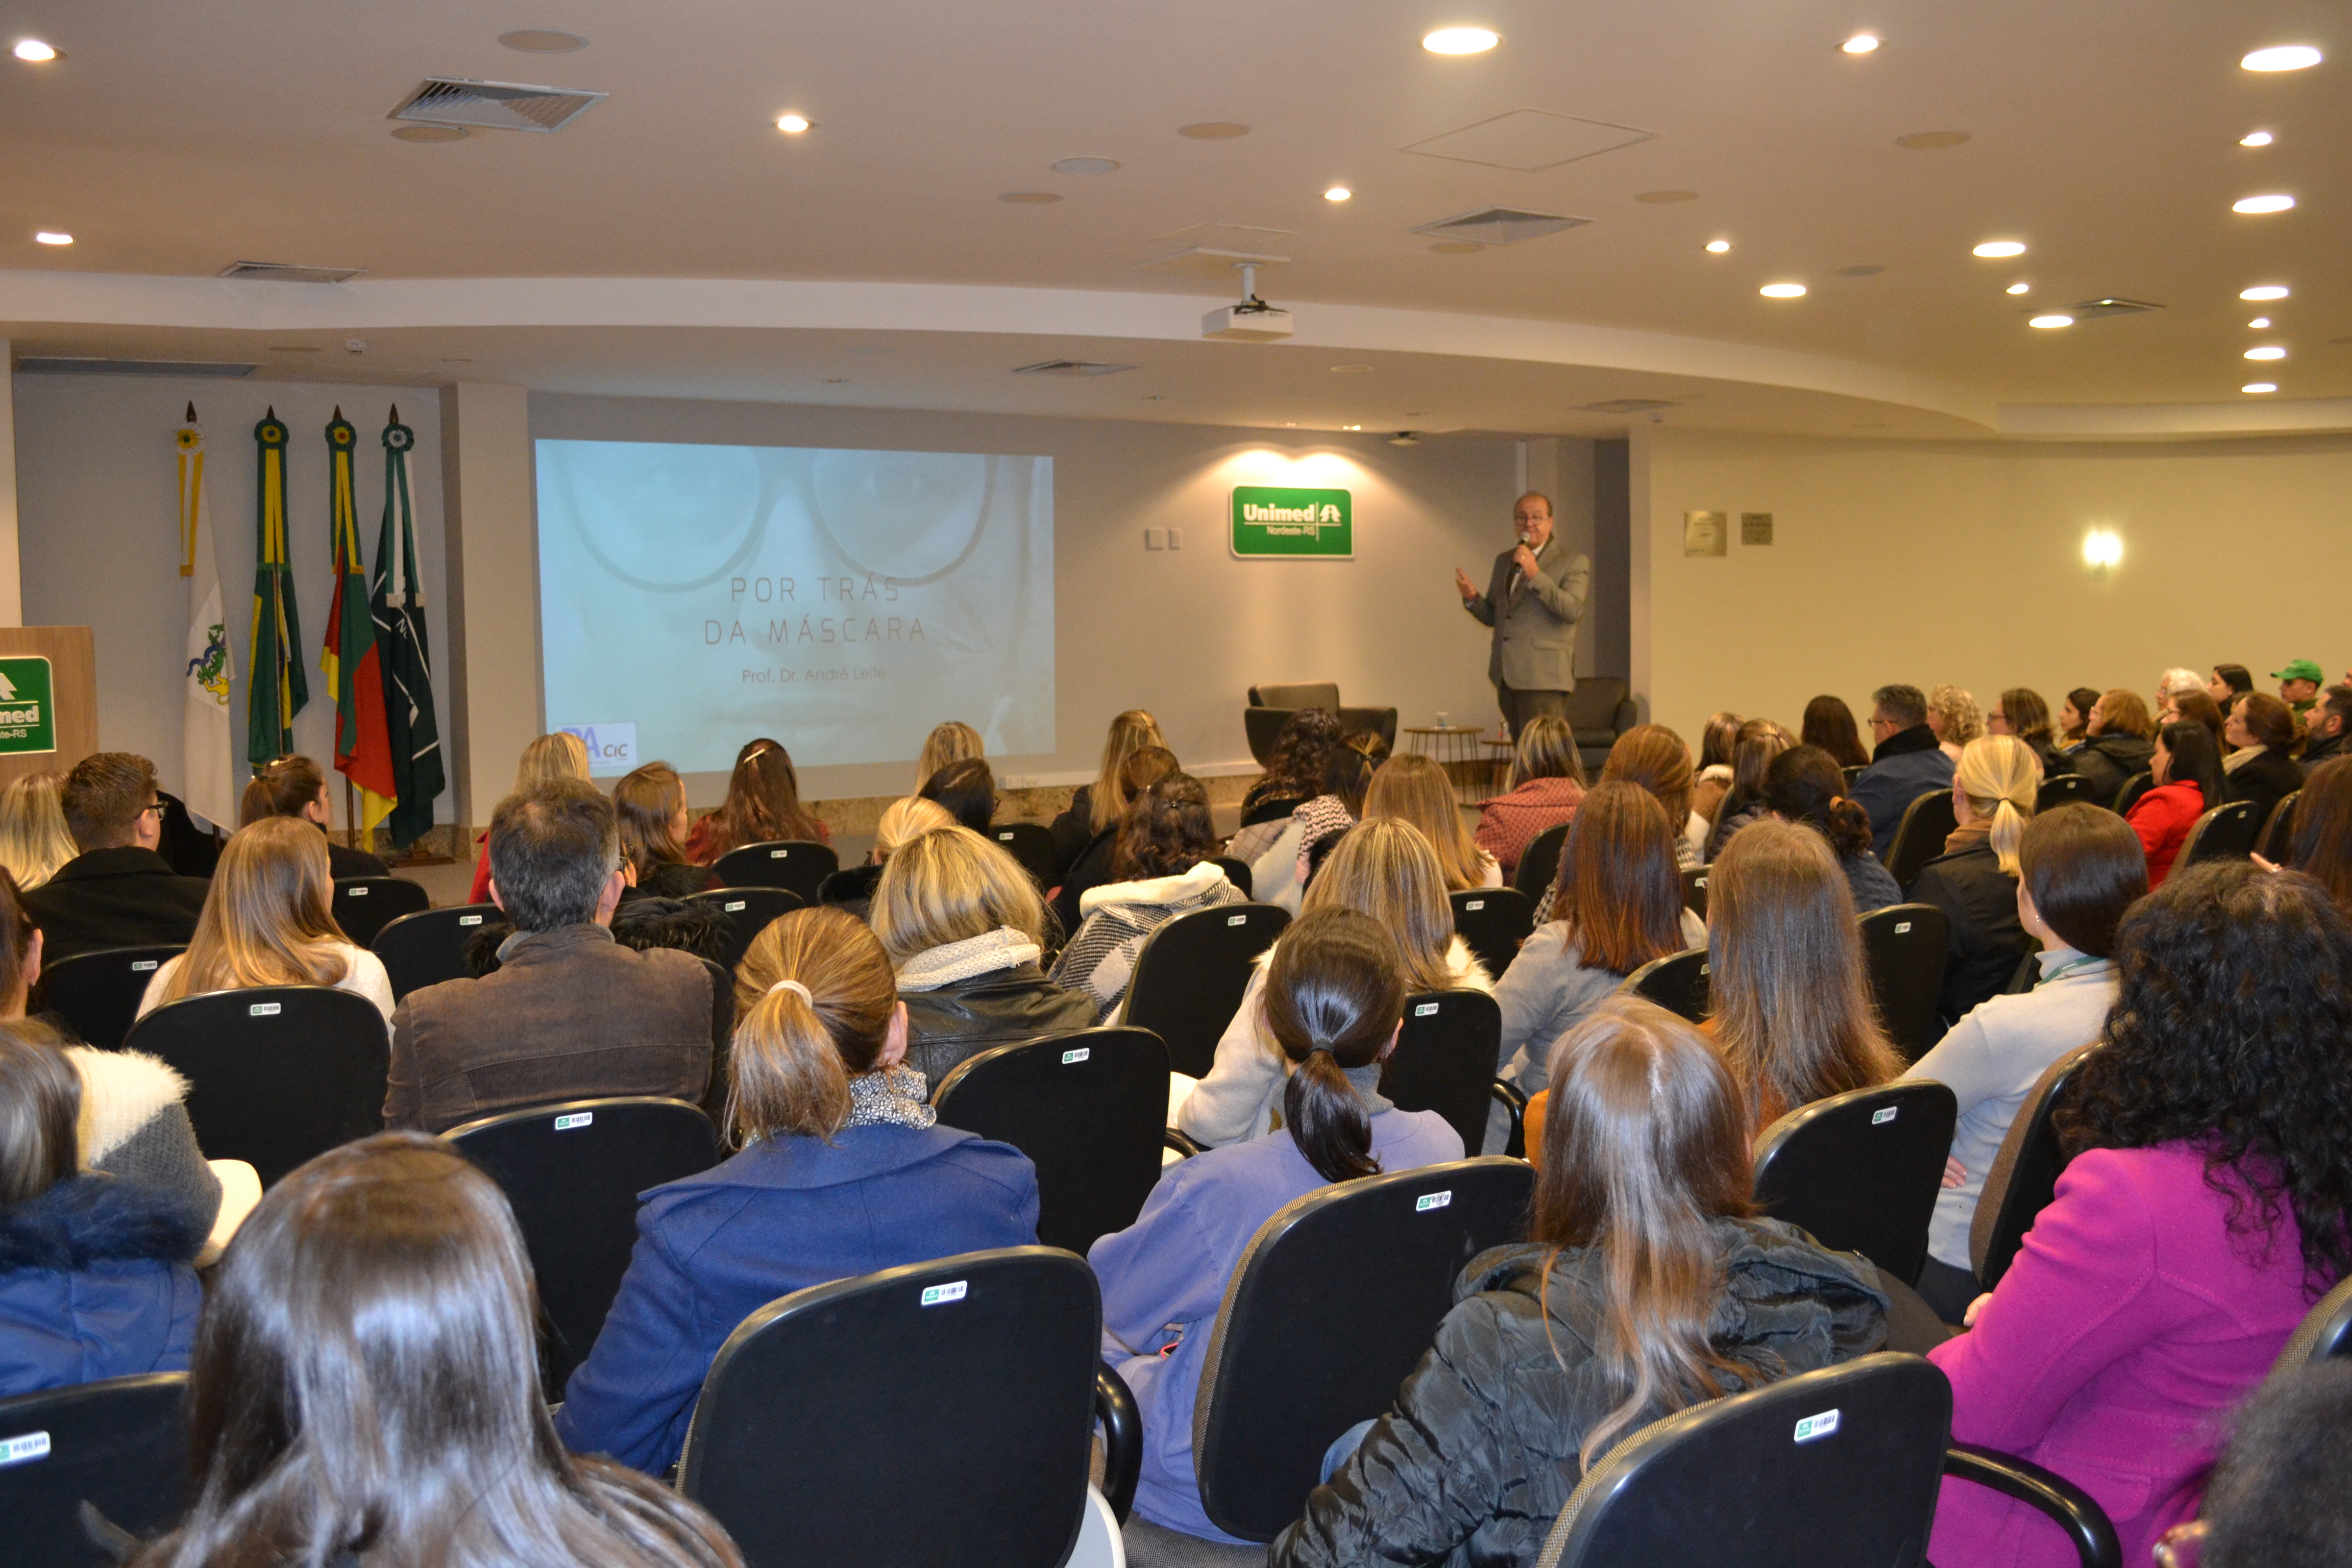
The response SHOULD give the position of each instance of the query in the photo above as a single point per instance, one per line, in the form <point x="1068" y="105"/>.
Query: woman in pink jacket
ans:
<point x="2202" y="1213"/>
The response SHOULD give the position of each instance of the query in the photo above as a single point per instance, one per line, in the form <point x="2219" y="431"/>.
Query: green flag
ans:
<point x="278" y="689"/>
<point x="398" y="606"/>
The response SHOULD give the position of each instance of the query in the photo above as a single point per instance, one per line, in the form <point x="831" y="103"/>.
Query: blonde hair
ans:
<point x="950" y="885"/>
<point x="1129" y="733"/>
<point x="1547" y="750"/>
<point x="33" y="839"/>
<point x="552" y="757"/>
<point x="953" y="742"/>
<point x="1413" y="788"/>
<point x="788" y="1068"/>
<point x="268" y="920"/>
<point x="1386" y="869"/>
<point x="2000" y="775"/>
<point x="903" y="821"/>
<point x="1963" y="720"/>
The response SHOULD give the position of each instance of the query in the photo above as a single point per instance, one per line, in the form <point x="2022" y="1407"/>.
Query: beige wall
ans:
<point x="1923" y="563"/>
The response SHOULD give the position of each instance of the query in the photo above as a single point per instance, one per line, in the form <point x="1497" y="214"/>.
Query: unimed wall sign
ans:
<point x="1283" y="522"/>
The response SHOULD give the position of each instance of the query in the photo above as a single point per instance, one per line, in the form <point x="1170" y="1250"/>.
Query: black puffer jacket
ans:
<point x="1477" y="1458"/>
<point x="965" y="1018"/>
<point x="2108" y="761"/>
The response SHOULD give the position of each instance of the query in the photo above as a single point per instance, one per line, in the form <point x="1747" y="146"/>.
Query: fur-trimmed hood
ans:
<point x="640" y="924"/>
<point x="122" y="1091"/>
<point x="95" y="1218"/>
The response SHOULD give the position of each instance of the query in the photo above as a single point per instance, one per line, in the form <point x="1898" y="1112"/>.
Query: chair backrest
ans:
<point x="2062" y="789"/>
<point x="1927" y="821"/>
<point x="1493" y="921"/>
<point x="276" y="1073"/>
<point x="2024" y="1174"/>
<point x="120" y="1446"/>
<point x="428" y="948"/>
<point x="98" y="992"/>
<point x="1540" y="861"/>
<point x="939" y="1415"/>
<point x="1089" y="1109"/>
<point x="2225" y="832"/>
<point x="2278" y="833"/>
<point x="1189" y="976"/>
<point x="1860" y="1170"/>
<point x="1445" y="1059"/>
<point x="1695" y="882"/>
<point x="1854" y="771"/>
<point x="571" y="1173"/>
<point x="365" y="905"/>
<point x="1380" y="1254"/>
<point x="2326" y="1332"/>
<point x="1836" y="1468"/>
<point x="2138" y="784"/>
<point x="798" y="864"/>
<point x="1904" y="948"/>
<point x="749" y="911"/>
<point x="1030" y="843"/>
<point x="1678" y="983"/>
<point x="1324" y="694"/>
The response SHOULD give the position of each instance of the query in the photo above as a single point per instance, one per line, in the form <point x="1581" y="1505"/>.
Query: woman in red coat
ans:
<point x="2188" y="774"/>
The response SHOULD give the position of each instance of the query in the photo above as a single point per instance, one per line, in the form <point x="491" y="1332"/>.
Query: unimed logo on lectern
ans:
<point x="28" y="720"/>
<point x="1276" y="520"/>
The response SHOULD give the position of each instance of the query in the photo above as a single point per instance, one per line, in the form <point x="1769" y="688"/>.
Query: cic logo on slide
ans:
<point x="612" y="748"/>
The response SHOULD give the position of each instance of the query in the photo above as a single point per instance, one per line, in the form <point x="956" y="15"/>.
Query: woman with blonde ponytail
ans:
<point x="842" y="1171"/>
<point x="1974" y="881"/>
<point x="1334" y="1001"/>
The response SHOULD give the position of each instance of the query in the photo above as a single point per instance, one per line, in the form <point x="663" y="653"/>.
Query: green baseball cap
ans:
<point x="2300" y="669"/>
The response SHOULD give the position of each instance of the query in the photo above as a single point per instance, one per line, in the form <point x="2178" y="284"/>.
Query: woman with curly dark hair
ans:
<point x="1294" y="775"/>
<point x="1161" y="869"/>
<point x="2203" y="1211"/>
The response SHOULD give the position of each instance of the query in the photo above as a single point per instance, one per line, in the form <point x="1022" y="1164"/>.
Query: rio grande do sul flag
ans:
<point x="207" y="765"/>
<point x="353" y="667"/>
<point x="277" y="689"/>
<point x="398" y="602"/>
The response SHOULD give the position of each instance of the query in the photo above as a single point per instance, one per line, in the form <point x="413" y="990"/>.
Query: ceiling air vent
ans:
<point x="287" y="272"/>
<point x="1499" y="226"/>
<point x="1628" y="405"/>
<point x="1070" y="368"/>
<point x="2090" y="310"/>
<point x="207" y="369"/>
<point x="494" y="105"/>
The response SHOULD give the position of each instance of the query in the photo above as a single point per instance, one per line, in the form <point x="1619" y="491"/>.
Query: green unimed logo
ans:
<point x="1279" y="520"/>
<point x="28" y="720"/>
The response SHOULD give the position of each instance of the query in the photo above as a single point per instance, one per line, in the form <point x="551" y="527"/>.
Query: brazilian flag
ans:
<point x="278" y="689"/>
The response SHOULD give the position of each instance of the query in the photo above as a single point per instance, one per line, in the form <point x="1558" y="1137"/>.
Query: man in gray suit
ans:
<point x="1536" y="600"/>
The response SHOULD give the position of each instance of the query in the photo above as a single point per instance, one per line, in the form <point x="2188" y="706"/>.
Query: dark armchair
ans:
<point x="1270" y="708"/>
<point x="1601" y="709"/>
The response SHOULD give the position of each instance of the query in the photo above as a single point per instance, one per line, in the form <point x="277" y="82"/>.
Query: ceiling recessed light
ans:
<point x="1783" y="290"/>
<point x="2285" y="58"/>
<point x="2260" y="386"/>
<point x="1717" y="246"/>
<point x="1660" y="198"/>
<point x="1349" y="369"/>
<point x="543" y="41"/>
<point x="2267" y="351"/>
<point x="2259" y="322"/>
<point x="1350" y="426"/>
<point x="1337" y="194"/>
<point x="53" y="237"/>
<point x="1930" y="141"/>
<point x="791" y="124"/>
<point x="2052" y="321"/>
<point x="2263" y="292"/>
<point x="2272" y="204"/>
<point x="1085" y="166"/>
<point x="1997" y="249"/>
<point x="36" y="51"/>
<point x="1214" y="129"/>
<point x="2255" y="138"/>
<point x="1029" y="198"/>
<point x="1860" y="44"/>
<point x="2021" y="289"/>
<point x="1460" y="41"/>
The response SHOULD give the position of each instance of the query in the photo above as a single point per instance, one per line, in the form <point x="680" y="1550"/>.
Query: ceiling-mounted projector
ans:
<point x="1251" y="321"/>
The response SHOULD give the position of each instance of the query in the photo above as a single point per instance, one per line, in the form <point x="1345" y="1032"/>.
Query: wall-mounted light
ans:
<point x="2102" y="549"/>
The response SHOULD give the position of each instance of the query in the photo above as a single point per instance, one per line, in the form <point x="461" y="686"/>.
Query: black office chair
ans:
<point x="1919" y="837"/>
<point x="98" y="992"/>
<point x="1380" y="1254"/>
<point x="1029" y="843"/>
<point x="1539" y="862"/>
<point x="1239" y="875"/>
<point x="1854" y="771"/>
<point x="2138" y="784"/>
<point x="1089" y="1109"/>
<point x="2278" y="833"/>
<point x="1445" y="1059"/>
<point x="276" y="1073"/>
<point x="365" y="905"/>
<point x="1189" y="976"/>
<point x="797" y="864"/>
<point x="571" y="1173"/>
<point x="722" y="1041"/>
<point x="1838" y="1467"/>
<point x="938" y="1414"/>
<point x="1676" y="982"/>
<point x="2064" y="789"/>
<point x="2225" y="832"/>
<point x="1494" y="922"/>
<point x="1904" y="948"/>
<point x="119" y="1446"/>
<point x="426" y="948"/>
<point x="749" y="911"/>
<point x="1860" y="1170"/>
<point x="1695" y="890"/>
<point x="2024" y="1174"/>
<point x="2324" y="1334"/>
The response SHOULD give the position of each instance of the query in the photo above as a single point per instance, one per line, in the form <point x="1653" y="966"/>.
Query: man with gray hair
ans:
<point x="1906" y="763"/>
<point x="569" y="1014"/>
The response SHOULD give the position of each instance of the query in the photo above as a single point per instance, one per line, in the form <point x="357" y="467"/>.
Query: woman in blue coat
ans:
<point x="842" y="1172"/>
<point x="1334" y="1002"/>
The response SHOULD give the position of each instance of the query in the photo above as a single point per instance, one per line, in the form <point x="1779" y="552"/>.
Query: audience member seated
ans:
<point x="1654" y="757"/>
<point x="2074" y="719"/>
<point x="33" y="839"/>
<point x="1293" y="776"/>
<point x="1383" y="869"/>
<point x="841" y="1172"/>
<point x="1647" y="1284"/>
<point x="1974" y="880"/>
<point x="1411" y="788"/>
<point x="953" y="742"/>
<point x="569" y="1013"/>
<point x="901" y="823"/>
<point x="2080" y="867"/>
<point x="2321" y="848"/>
<point x="557" y="756"/>
<point x="2171" y="687"/>
<point x="966" y="789"/>
<point x="1334" y="1001"/>
<point x="1907" y="763"/>
<point x="1791" y="1009"/>
<point x="762" y="807"/>
<point x="2230" y="682"/>
<point x="1760" y="740"/>
<point x="964" y="928"/>
<point x="1144" y="766"/>
<point x="2195" y="705"/>
<point x="2118" y="739"/>
<point x="117" y="892"/>
<point x="2201" y="1215"/>
<point x="269" y="921"/>
<point x="2299" y="685"/>
<point x="2323" y="737"/>
<point x="366" y="1390"/>
<point x="2022" y="713"/>
<point x="1280" y="874"/>
<point x="2281" y="1495"/>
<point x="1955" y="717"/>
<point x="1805" y="785"/>
<point x="95" y="1276"/>
<point x="1547" y="782"/>
<point x="2188" y="782"/>
<point x="649" y="806"/>
<point x="2261" y="769"/>
<point x="293" y="786"/>
<point x="1719" y="745"/>
<point x="1162" y="870"/>
<point x="1829" y="724"/>
<point x="1096" y="808"/>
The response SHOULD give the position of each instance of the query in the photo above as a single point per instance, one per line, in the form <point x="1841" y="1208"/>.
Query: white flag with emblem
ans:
<point x="207" y="770"/>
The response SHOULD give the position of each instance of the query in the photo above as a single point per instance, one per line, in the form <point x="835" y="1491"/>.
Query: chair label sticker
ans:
<point x="1880" y="1118"/>
<point x="734" y="904"/>
<point x="144" y="965"/>
<point x="469" y="919"/>
<point x="1473" y="903"/>
<point x="1815" y="1427"/>
<point x="1081" y="1054"/>
<point x="1237" y="920"/>
<point x="24" y="1449"/>
<point x="937" y="1295"/>
<point x="357" y="892"/>
<point x="1428" y="1201"/>
<point x="1424" y="1009"/>
<point x="577" y="1119"/>
<point x="778" y="854"/>
<point x="263" y="1010"/>
<point x="1902" y="928"/>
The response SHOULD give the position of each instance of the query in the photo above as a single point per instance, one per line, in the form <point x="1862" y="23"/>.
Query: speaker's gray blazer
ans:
<point x="1535" y="627"/>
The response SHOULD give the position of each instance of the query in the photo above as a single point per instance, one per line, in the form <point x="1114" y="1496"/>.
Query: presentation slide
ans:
<point x="693" y="597"/>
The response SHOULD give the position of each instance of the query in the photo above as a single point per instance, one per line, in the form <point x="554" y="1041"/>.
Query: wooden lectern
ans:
<point x="49" y="699"/>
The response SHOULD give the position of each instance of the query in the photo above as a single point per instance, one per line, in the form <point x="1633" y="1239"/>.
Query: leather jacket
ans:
<point x="965" y="1018"/>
